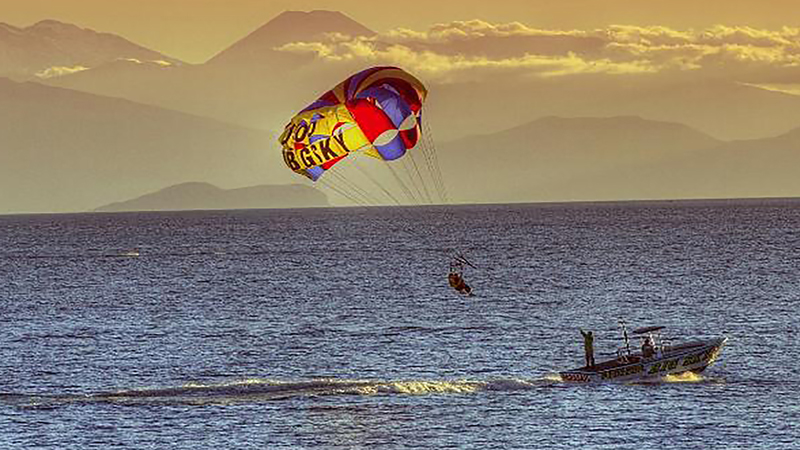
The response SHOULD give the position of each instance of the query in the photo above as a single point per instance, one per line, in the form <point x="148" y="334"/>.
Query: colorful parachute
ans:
<point x="376" y="112"/>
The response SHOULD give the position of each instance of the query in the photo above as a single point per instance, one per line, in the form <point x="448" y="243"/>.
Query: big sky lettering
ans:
<point x="316" y="154"/>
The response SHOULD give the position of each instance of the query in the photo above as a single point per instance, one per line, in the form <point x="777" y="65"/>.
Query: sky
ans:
<point x="195" y="30"/>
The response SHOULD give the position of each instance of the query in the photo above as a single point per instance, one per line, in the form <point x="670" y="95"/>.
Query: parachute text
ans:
<point x="315" y="155"/>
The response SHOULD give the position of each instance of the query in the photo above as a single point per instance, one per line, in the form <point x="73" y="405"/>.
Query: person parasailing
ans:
<point x="456" y="276"/>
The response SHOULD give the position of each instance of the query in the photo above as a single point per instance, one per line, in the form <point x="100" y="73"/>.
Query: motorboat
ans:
<point x="658" y="358"/>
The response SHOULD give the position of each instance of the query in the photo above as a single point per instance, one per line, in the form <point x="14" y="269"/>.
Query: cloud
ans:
<point x="58" y="71"/>
<point x="459" y="30"/>
<point x="464" y="49"/>
<point x="785" y="88"/>
<point x="156" y="62"/>
<point x="748" y="36"/>
<point x="461" y="67"/>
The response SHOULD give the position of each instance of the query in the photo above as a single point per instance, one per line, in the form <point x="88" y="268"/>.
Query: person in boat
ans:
<point x="456" y="279"/>
<point x="648" y="347"/>
<point x="588" y="347"/>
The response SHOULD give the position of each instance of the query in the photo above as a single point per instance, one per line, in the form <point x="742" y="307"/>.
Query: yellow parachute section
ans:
<point x="321" y="137"/>
<point x="376" y="112"/>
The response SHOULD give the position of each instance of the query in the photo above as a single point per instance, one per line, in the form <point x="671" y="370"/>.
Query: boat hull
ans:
<point x="692" y="357"/>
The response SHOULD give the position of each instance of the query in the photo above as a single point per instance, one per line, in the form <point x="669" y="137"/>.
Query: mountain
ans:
<point x="66" y="151"/>
<point x="290" y="26"/>
<point x="724" y="109"/>
<point x="265" y="98"/>
<point x="756" y="168"/>
<point x="524" y="163"/>
<point x="250" y="83"/>
<point x="204" y="196"/>
<point x="618" y="158"/>
<point x="249" y="98"/>
<point x="50" y="48"/>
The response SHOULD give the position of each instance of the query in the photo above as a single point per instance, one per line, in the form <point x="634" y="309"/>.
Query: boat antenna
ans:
<point x="625" y="336"/>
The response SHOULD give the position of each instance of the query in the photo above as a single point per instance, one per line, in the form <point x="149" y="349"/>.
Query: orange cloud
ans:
<point x="465" y="49"/>
<point x="58" y="71"/>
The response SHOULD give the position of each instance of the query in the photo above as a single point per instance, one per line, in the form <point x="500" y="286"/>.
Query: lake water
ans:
<point x="335" y="328"/>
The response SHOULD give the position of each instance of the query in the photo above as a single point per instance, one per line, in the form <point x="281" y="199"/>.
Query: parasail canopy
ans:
<point x="376" y="112"/>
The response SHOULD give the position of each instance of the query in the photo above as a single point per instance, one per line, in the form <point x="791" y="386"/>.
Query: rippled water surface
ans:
<point x="336" y="328"/>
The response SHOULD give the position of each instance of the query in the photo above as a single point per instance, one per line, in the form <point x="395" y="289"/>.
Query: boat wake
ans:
<point x="258" y="390"/>
<point x="686" y="377"/>
<point x="261" y="390"/>
<point x="682" y="378"/>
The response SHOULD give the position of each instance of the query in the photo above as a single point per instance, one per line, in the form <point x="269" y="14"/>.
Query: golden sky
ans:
<point x="195" y="30"/>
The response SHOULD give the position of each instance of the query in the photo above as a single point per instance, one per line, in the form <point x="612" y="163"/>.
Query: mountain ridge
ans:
<point x="206" y="196"/>
<point x="66" y="151"/>
<point x="639" y="159"/>
<point x="289" y="26"/>
<point x="28" y="51"/>
<point x="258" y="86"/>
<point x="552" y="123"/>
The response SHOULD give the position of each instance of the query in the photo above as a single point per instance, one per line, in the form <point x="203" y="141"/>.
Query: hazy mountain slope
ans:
<point x="246" y="98"/>
<point x="25" y="52"/>
<point x="741" y="169"/>
<point x="204" y="196"/>
<point x="525" y="162"/>
<point x="291" y="26"/>
<point x="68" y="151"/>
<point x="265" y="98"/>
<point x="252" y="84"/>
<point x="723" y="109"/>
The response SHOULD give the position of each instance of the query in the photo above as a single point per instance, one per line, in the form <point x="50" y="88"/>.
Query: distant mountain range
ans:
<point x="204" y="196"/>
<point x="135" y="121"/>
<point x="259" y="47"/>
<point x="617" y="158"/>
<point x="69" y="151"/>
<point x="64" y="150"/>
<point x="255" y="84"/>
<point x="250" y="83"/>
<point x="724" y="109"/>
<point x="739" y="169"/>
<point x="51" y="48"/>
